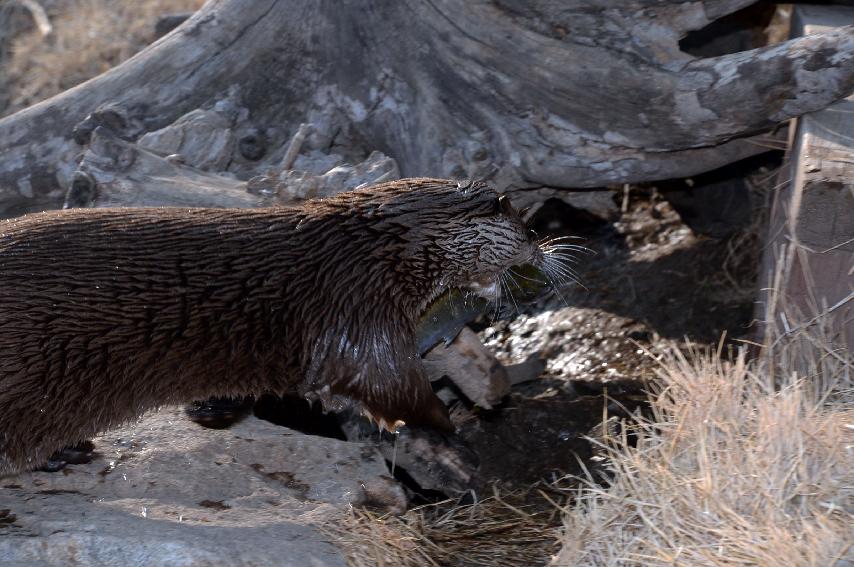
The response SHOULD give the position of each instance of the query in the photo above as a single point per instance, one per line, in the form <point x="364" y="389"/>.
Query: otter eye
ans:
<point x="532" y="234"/>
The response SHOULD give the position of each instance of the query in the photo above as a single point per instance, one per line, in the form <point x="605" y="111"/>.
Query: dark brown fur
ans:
<point x="105" y="313"/>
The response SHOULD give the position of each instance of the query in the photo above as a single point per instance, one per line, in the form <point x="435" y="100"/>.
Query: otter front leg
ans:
<point x="405" y="398"/>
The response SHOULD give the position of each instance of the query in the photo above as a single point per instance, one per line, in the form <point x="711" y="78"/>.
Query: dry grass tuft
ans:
<point x="88" y="38"/>
<point x="504" y="530"/>
<point x="742" y="464"/>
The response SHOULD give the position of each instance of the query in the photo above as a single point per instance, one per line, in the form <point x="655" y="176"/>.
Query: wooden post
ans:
<point x="807" y="270"/>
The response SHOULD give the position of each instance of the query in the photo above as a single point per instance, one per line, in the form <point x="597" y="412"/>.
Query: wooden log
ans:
<point x="573" y="94"/>
<point x="117" y="173"/>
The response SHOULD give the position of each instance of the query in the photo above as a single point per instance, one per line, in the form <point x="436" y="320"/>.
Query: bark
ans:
<point x="574" y="94"/>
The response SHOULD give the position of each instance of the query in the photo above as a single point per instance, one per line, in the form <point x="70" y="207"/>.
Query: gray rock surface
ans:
<point x="163" y="491"/>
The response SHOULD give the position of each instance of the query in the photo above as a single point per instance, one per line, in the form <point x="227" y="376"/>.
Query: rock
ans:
<point x="600" y="204"/>
<point x="434" y="461"/>
<point x="165" y="491"/>
<point x="471" y="367"/>
<point x="316" y="162"/>
<point x="577" y="344"/>
<point x="526" y="371"/>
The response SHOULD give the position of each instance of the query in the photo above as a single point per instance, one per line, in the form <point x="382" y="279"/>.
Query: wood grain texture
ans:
<point x="559" y="94"/>
<point x="807" y="274"/>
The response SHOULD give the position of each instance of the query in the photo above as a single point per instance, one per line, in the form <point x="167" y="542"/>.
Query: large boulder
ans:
<point x="165" y="491"/>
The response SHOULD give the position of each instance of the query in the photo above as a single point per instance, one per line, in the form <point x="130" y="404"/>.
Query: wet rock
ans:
<point x="164" y="491"/>
<point x="471" y="367"/>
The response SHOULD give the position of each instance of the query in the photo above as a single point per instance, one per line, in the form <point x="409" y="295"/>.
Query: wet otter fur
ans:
<point x="105" y="313"/>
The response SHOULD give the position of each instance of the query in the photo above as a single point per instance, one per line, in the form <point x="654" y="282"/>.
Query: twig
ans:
<point x="39" y="16"/>
<point x="790" y="330"/>
<point x="294" y="147"/>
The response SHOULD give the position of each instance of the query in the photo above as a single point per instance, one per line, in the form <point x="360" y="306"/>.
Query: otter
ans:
<point x="106" y="313"/>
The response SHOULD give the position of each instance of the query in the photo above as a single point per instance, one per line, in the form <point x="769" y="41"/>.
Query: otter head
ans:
<point x="425" y="236"/>
<point x="492" y="242"/>
<point x="463" y="235"/>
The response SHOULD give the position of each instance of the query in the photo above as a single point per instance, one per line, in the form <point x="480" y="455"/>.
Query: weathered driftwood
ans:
<point x="572" y="94"/>
<point x="115" y="173"/>
<point x="807" y="275"/>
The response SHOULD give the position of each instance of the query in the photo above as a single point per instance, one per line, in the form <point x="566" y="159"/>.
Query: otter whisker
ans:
<point x="518" y="275"/>
<point x="563" y="261"/>
<point x="502" y="278"/>
<point x="564" y="256"/>
<point x="583" y="249"/>
<point x="551" y="239"/>
<point x="571" y="254"/>
<point x="497" y="311"/>
<point x="567" y="269"/>
<point x="556" y="267"/>
<point x="572" y="276"/>
<point x="554" y="286"/>
<point x="508" y="274"/>
<point x="543" y="245"/>
<point x="467" y="294"/>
